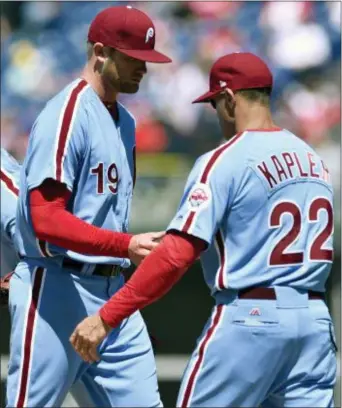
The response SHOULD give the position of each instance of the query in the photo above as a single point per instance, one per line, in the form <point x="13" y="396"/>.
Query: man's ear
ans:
<point x="229" y="97"/>
<point x="230" y="101"/>
<point x="100" y="52"/>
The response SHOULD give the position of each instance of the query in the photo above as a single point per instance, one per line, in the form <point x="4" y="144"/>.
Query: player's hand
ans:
<point x="88" y="335"/>
<point x="142" y="244"/>
<point x="4" y="289"/>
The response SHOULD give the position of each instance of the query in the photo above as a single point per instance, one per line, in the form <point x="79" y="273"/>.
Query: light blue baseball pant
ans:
<point x="45" y="306"/>
<point x="81" y="395"/>
<point x="269" y="353"/>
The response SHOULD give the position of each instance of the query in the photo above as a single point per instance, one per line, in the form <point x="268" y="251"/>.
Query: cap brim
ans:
<point x="147" y="55"/>
<point x="207" y="97"/>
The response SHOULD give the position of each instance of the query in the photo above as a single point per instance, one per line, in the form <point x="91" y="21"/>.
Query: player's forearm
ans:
<point x="67" y="231"/>
<point x="154" y="278"/>
<point x="54" y="224"/>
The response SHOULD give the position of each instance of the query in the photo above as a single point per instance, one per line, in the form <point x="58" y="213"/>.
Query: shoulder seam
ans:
<point x="216" y="155"/>
<point x="65" y="124"/>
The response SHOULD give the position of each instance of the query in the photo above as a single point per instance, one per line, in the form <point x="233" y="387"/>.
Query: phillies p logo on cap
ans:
<point x="127" y="30"/>
<point x="149" y="34"/>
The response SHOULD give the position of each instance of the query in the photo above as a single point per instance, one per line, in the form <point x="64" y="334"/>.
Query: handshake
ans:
<point x="142" y="244"/>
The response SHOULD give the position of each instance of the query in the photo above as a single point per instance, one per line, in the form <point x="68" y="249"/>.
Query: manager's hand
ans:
<point x="88" y="335"/>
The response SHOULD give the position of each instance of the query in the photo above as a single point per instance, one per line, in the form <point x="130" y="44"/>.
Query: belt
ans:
<point x="99" y="270"/>
<point x="270" y="294"/>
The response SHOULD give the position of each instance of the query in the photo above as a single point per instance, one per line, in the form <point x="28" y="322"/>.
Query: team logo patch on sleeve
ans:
<point x="199" y="196"/>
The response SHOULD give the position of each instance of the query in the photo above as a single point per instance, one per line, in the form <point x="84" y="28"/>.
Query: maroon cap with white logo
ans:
<point x="128" y="30"/>
<point x="241" y="70"/>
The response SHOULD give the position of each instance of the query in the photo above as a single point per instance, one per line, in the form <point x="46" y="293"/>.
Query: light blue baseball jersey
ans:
<point x="263" y="203"/>
<point x="10" y="173"/>
<point x="76" y="141"/>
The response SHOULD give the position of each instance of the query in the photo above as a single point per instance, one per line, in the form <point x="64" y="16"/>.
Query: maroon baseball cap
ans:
<point x="240" y="70"/>
<point x="128" y="30"/>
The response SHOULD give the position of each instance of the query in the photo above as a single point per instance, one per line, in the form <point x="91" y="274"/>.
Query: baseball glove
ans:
<point x="4" y="289"/>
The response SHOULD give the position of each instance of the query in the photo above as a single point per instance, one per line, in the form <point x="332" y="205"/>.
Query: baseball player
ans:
<point x="258" y="211"/>
<point x="71" y="228"/>
<point x="9" y="176"/>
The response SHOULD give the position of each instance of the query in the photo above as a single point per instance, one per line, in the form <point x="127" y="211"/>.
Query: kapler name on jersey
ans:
<point x="280" y="167"/>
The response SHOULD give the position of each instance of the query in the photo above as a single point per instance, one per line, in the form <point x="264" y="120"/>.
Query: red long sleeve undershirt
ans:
<point x="54" y="224"/>
<point x="154" y="277"/>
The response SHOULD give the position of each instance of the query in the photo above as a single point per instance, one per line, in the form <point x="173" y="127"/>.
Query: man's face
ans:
<point x="123" y="73"/>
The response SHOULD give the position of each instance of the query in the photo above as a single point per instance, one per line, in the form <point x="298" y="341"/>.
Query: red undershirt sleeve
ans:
<point x="54" y="224"/>
<point x="154" y="277"/>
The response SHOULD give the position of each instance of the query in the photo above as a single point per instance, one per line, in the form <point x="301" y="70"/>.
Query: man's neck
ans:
<point x="253" y="116"/>
<point x="94" y="80"/>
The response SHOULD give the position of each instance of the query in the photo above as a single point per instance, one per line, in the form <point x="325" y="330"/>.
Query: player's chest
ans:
<point x="111" y="163"/>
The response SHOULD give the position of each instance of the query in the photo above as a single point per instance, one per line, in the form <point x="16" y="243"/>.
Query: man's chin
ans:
<point x="129" y="88"/>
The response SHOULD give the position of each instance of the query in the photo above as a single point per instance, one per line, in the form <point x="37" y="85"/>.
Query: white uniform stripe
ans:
<point x="34" y="334"/>
<point x="79" y="96"/>
<point x="207" y="339"/>
<point x="29" y="327"/>
<point x="29" y="298"/>
<point x="9" y="182"/>
<point x="60" y="123"/>
<point x="230" y="145"/>
<point x="59" y="127"/>
<point x="221" y="266"/>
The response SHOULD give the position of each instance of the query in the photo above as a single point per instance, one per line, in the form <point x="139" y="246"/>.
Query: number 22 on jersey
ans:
<point x="279" y="255"/>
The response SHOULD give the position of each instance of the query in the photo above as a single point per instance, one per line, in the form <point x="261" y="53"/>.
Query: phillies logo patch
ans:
<point x="149" y="34"/>
<point x="199" y="196"/>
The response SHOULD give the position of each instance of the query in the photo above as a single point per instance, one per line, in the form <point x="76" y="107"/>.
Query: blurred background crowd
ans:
<point x="43" y="47"/>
